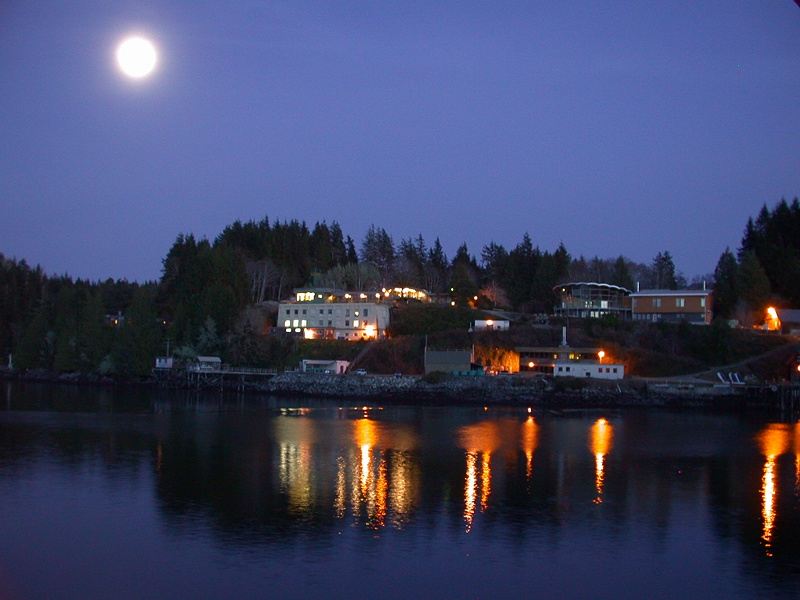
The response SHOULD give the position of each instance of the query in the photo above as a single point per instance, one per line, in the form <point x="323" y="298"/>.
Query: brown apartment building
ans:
<point x="694" y="306"/>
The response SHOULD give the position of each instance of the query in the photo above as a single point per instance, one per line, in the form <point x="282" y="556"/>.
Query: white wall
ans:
<point x="589" y="370"/>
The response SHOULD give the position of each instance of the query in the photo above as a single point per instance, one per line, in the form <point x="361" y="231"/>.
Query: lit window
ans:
<point x="287" y="323"/>
<point x="703" y="302"/>
<point x="355" y="323"/>
<point x="680" y="302"/>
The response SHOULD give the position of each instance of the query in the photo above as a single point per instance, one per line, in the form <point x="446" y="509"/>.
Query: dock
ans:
<point x="203" y="375"/>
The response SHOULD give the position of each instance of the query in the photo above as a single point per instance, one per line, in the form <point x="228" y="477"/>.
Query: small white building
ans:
<point x="164" y="362"/>
<point x="337" y="367"/>
<point x="588" y="369"/>
<point x="206" y="363"/>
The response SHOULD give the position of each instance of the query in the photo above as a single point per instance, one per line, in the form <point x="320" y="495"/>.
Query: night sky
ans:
<point x="615" y="127"/>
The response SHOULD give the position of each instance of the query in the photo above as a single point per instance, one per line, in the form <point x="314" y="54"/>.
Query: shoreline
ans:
<point x="466" y="391"/>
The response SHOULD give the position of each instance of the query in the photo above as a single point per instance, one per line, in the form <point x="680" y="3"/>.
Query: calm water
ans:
<point x="108" y="495"/>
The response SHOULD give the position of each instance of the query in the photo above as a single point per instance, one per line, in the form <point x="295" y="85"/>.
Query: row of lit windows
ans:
<point x="679" y="302"/>
<point x="312" y="296"/>
<point x="599" y="369"/>
<point x="289" y="323"/>
<point x="304" y="311"/>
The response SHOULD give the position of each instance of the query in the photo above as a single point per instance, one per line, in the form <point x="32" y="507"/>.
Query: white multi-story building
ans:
<point x="324" y="313"/>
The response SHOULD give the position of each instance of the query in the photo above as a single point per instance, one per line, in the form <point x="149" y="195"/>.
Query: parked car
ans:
<point x="360" y="371"/>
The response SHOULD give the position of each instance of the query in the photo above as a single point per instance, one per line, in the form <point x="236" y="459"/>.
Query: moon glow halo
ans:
<point x="136" y="57"/>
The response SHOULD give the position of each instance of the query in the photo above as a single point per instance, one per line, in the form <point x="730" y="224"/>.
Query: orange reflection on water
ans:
<point x="471" y="489"/>
<point x="768" y="503"/>
<point x="341" y="487"/>
<point x="775" y="439"/>
<point x="403" y="474"/>
<point x="376" y="480"/>
<point x="530" y="439"/>
<point x="479" y="440"/>
<point x="601" y="437"/>
<point x="365" y="439"/>
<point x="379" y="504"/>
<point x="797" y="458"/>
<point x="486" y="480"/>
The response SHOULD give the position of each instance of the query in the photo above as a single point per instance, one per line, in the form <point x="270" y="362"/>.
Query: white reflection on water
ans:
<point x="296" y="437"/>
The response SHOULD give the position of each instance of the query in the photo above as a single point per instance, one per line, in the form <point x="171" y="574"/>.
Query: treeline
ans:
<point x="213" y="297"/>
<point x="766" y="268"/>
<point x="61" y="324"/>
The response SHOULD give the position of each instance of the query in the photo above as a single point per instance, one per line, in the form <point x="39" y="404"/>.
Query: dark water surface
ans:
<point x="118" y="495"/>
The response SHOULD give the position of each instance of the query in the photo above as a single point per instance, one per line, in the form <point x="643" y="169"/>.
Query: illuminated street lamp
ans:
<point x="600" y="355"/>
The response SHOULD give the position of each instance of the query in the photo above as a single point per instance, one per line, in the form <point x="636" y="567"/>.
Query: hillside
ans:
<point x="646" y="349"/>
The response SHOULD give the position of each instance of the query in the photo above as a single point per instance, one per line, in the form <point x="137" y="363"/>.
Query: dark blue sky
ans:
<point x="615" y="127"/>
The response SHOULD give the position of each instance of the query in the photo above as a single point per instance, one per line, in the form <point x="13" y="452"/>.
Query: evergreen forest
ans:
<point x="218" y="297"/>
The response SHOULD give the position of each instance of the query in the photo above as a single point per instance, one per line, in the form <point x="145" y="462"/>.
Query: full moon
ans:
<point x="136" y="57"/>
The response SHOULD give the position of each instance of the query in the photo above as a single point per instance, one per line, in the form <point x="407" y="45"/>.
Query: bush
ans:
<point x="436" y="377"/>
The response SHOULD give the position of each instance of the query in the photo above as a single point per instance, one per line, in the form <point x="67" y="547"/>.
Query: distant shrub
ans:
<point x="564" y="384"/>
<point x="436" y="377"/>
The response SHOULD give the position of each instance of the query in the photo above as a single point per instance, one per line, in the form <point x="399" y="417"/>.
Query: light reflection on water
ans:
<point x="775" y="440"/>
<point x="601" y="435"/>
<point x="452" y="502"/>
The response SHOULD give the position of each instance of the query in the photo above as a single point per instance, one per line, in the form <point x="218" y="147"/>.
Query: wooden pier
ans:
<point x="202" y="376"/>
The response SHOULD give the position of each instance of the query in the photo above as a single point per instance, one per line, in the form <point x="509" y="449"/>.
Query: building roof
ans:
<point x="788" y="315"/>
<point x="643" y="293"/>
<point x="594" y="284"/>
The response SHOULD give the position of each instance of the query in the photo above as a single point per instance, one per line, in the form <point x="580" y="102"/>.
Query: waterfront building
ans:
<point x="566" y="361"/>
<point x="310" y="365"/>
<point x="589" y="299"/>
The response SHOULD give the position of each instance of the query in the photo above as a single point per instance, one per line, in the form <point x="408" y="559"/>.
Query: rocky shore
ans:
<point x="501" y="390"/>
